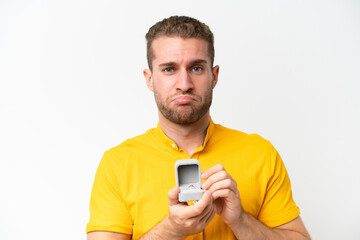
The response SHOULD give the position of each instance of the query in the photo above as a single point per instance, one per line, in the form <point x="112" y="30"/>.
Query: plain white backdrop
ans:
<point x="71" y="87"/>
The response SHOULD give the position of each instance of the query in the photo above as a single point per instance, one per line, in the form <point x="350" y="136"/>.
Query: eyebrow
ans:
<point x="194" y="62"/>
<point x="167" y="64"/>
<point x="198" y="61"/>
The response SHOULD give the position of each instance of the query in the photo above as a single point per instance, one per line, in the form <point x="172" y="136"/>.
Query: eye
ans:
<point x="168" y="70"/>
<point x="197" y="69"/>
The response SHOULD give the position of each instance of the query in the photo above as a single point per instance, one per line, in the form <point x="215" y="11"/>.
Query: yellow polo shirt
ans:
<point x="129" y="194"/>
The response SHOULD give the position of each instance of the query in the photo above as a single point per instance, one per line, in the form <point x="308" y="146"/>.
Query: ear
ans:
<point x="215" y="74"/>
<point x="148" y="79"/>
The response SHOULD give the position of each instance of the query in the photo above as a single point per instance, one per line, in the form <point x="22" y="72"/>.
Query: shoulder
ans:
<point x="231" y="135"/>
<point x="131" y="147"/>
<point x="249" y="149"/>
<point x="135" y="142"/>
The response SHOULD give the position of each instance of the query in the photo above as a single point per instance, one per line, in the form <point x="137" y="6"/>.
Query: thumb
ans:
<point x="173" y="196"/>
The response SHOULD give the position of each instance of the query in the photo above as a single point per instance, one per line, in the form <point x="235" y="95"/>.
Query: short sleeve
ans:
<point x="108" y="211"/>
<point x="278" y="206"/>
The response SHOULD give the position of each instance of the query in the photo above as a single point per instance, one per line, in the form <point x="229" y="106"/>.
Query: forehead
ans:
<point x="177" y="49"/>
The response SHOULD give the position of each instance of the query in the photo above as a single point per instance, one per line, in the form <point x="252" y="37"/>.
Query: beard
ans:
<point x="187" y="113"/>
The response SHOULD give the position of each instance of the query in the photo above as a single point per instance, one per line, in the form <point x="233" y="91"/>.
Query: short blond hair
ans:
<point x="182" y="26"/>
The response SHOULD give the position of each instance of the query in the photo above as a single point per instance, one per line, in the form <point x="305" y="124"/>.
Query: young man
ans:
<point x="247" y="189"/>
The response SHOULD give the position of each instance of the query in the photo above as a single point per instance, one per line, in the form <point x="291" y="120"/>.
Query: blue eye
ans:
<point x="168" y="70"/>
<point x="197" y="69"/>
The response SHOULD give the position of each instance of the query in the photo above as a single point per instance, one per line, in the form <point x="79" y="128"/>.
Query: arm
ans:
<point x="183" y="220"/>
<point x="99" y="235"/>
<point x="227" y="204"/>
<point x="250" y="228"/>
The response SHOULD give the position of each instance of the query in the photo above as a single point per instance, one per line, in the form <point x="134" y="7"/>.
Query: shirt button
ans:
<point x="173" y="145"/>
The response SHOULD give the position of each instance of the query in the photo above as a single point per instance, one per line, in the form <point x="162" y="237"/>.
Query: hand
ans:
<point x="185" y="220"/>
<point x="224" y="192"/>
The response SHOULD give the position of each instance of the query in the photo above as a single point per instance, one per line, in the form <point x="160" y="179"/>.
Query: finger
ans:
<point x="173" y="196"/>
<point x="216" y="177"/>
<point x="209" y="216"/>
<point x="224" y="193"/>
<point x="200" y="207"/>
<point x="214" y="169"/>
<point x="224" y="184"/>
<point x="208" y="208"/>
<point x="206" y="218"/>
<point x="196" y="210"/>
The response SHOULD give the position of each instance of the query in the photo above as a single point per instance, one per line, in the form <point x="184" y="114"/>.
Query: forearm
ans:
<point x="162" y="231"/>
<point x="249" y="228"/>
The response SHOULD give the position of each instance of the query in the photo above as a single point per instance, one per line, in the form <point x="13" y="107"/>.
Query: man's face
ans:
<point x="182" y="79"/>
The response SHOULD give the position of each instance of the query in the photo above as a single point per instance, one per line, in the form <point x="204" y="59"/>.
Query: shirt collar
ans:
<point x="171" y="144"/>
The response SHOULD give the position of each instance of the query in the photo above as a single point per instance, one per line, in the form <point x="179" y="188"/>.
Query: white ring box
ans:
<point x="188" y="179"/>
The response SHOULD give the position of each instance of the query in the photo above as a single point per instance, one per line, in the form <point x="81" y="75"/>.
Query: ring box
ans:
<point x="188" y="179"/>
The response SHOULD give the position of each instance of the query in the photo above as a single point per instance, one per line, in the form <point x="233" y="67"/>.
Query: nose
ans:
<point x="184" y="82"/>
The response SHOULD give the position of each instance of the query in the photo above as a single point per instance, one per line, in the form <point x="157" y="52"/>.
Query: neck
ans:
<point x="188" y="137"/>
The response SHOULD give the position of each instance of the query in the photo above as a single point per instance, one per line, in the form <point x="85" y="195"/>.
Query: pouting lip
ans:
<point x="183" y="99"/>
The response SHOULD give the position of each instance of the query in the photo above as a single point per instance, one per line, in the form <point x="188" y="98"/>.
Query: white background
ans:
<point x="72" y="87"/>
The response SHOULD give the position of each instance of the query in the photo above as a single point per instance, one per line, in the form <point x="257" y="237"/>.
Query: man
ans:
<point x="247" y="189"/>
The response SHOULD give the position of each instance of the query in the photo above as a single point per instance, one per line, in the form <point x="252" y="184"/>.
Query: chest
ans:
<point x="150" y="180"/>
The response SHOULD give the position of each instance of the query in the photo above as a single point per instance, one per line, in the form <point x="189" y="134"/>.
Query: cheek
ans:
<point x="161" y="90"/>
<point x="205" y="84"/>
<point x="163" y="86"/>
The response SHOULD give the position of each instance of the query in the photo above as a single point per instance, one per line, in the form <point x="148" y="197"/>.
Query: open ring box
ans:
<point x="188" y="179"/>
